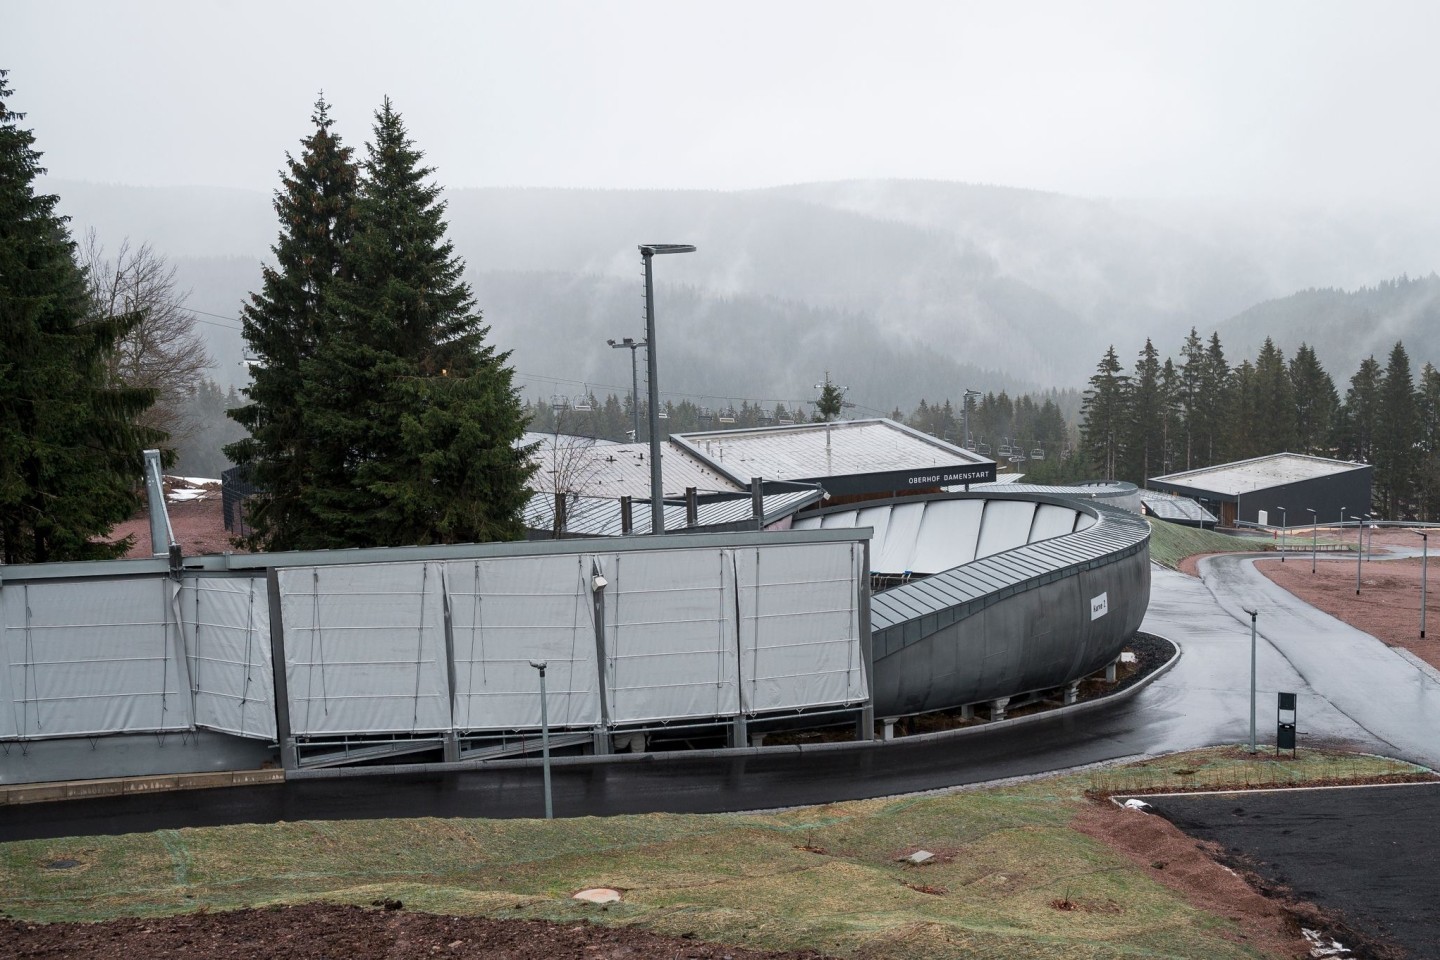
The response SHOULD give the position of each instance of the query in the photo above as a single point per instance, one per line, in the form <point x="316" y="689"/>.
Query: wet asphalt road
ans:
<point x="1354" y="851"/>
<point x="1352" y="690"/>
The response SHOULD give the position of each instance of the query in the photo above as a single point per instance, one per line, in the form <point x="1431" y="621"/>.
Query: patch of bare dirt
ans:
<point x="198" y="525"/>
<point x="324" y="931"/>
<point x="1270" y="925"/>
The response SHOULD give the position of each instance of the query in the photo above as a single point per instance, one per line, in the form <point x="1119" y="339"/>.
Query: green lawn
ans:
<point x="827" y="878"/>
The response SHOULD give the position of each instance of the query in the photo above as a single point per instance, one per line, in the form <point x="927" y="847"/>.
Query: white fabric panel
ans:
<point x="365" y="648"/>
<point x="1083" y="521"/>
<point x="227" y="644"/>
<point x="898" y="549"/>
<point x="1005" y="526"/>
<point x="879" y="518"/>
<point x="948" y="536"/>
<point x="670" y="635"/>
<point x="97" y="657"/>
<point x="9" y="708"/>
<point x="840" y="520"/>
<point x="505" y="613"/>
<point x="800" y="625"/>
<point x="806" y="523"/>
<point x="1052" y="520"/>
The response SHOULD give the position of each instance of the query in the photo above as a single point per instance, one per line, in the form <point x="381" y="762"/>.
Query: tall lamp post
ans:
<point x="1424" y="562"/>
<point x="648" y="251"/>
<point x="969" y="396"/>
<point x="1283" y="525"/>
<point x="632" y="344"/>
<point x="1314" y="535"/>
<point x="1253" y="615"/>
<point x="544" y="737"/>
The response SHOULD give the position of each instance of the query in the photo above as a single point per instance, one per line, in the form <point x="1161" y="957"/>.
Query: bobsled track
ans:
<point x="319" y="659"/>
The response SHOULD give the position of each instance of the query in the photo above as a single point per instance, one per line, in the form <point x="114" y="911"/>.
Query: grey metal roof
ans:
<point x="615" y="470"/>
<point x="600" y="516"/>
<point x="1176" y="508"/>
<point x="1001" y="575"/>
<point x="1259" y="473"/>
<point x="810" y="450"/>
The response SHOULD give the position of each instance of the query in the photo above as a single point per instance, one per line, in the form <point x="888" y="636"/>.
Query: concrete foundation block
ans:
<point x="997" y="708"/>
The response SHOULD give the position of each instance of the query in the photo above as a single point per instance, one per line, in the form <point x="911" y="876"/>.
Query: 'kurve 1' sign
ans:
<point x="1099" y="606"/>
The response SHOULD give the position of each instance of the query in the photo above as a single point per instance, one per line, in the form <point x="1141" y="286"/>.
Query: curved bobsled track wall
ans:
<point x="1026" y="592"/>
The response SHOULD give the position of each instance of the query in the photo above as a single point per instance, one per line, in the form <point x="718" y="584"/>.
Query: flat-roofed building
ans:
<point x="1280" y="489"/>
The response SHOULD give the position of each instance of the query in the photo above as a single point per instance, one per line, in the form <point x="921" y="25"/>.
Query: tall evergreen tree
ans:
<point x="1428" y="448"/>
<point x="1170" y="419"/>
<point x="1315" y="402"/>
<point x="1193" y="375"/>
<point x="1103" y="416"/>
<point x="72" y="460"/>
<point x="1239" y="441"/>
<point x="1357" y="421"/>
<point x="1273" y="411"/>
<point x="832" y="401"/>
<point x="283" y="324"/>
<point x="1212" y="405"/>
<point x="418" y="416"/>
<point x="1144" y="444"/>
<point x="1396" y="433"/>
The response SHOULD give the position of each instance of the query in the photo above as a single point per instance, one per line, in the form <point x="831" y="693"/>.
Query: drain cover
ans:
<point x="61" y="864"/>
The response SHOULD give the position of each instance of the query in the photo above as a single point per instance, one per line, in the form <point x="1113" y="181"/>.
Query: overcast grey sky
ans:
<point x="1314" y="102"/>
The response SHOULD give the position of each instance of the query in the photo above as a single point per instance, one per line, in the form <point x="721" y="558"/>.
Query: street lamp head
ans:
<point x="540" y="664"/>
<point x="650" y="249"/>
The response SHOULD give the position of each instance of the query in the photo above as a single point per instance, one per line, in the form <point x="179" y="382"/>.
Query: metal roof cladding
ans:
<point x="603" y="469"/>
<point x="1246" y="476"/>
<point x="1176" y="508"/>
<point x="808" y="451"/>
<point x="1115" y="533"/>
<point x="600" y="516"/>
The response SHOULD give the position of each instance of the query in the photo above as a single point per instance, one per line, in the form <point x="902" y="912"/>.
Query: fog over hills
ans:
<point x="900" y="289"/>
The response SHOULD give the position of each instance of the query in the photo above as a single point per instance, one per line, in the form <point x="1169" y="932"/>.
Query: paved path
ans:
<point x="1352" y="690"/>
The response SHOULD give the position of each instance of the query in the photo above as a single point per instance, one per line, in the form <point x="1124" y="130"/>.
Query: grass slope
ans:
<point x="1170" y="543"/>
<point x="828" y="878"/>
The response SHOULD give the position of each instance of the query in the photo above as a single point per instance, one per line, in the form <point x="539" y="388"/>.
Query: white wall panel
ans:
<point x="1005" y="526"/>
<point x="948" y="536"/>
<point x="9" y="708"/>
<point x="670" y="635"/>
<point x="95" y="657"/>
<point x="227" y="644"/>
<point x="505" y="613"/>
<point x="800" y="625"/>
<point x="1052" y="520"/>
<point x="365" y="648"/>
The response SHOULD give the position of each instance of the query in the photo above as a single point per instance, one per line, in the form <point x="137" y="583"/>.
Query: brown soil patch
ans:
<point x="198" y="525"/>
<point x="315" y="931"/>
<point x="1269" y="925"/>
<point x="1388" y="606"/>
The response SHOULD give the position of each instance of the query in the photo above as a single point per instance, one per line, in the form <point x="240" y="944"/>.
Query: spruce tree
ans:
<point x="1273" y="409"/>
<point x="1104" y="416"/>
<point x="1357" y="421"/>
<point x="1193" y="368"/>
<point x="1214" y="403"/>
<point x="1396" y="434"/>
<point x="1428" y="447"/>
<point x="416" y="415"/>
<point x="832" y="401"/>
<point x="283" y="324"/>
<point x="72" y="462"/>
<point x="1315" y="402"/>
<point x="1144" y="420"/>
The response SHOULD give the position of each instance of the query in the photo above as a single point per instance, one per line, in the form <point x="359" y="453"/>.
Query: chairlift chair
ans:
<point x="982" y="448"/>
<point x="1037" y="454"/>
<point x="1005" y="450"/>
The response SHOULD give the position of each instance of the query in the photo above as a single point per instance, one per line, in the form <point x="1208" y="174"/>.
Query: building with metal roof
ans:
<point x="1181" y="510"/>
<point x="604" y="516"/>
<point x="615" y="470"/>
<point x="849" y="458"/>
<point x="1280" y="489"/>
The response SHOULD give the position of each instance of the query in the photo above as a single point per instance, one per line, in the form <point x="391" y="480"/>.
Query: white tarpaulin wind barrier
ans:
<point x="93" y="657"/>
<point x="670" y="635"/>
<point x="799" y="626"/>
<point x="365" y="648"/>
<point x="227" y="643"/>
<point x="506" y="613"/>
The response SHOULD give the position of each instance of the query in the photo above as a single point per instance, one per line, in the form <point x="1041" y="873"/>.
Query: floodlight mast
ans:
<point x="648" y="251"/>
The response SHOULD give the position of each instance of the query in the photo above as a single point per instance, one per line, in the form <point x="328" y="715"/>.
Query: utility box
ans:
<point x="1285" y="718"/>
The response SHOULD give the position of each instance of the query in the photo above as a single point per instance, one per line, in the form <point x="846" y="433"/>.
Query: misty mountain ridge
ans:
<point x="901" y="289"/>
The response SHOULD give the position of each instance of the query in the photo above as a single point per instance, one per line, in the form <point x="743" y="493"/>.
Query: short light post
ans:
<point x="632" y="345"/>
<point x="657" y="491"/>
<point x="1314" y="536"/>
<point x="545" y="738"/>
<point x="1283" y="525"/>
<point x="1253" y="615"/>
<point x="1424" y="562"/>
<point x="1360" y="528"/>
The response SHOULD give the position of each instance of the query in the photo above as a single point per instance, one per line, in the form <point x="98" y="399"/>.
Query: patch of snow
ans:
<point x="184" y="493"/>
<point x="1134" y="804"/>
<point x="1127" y="657"/>
<point x="598" y="895"/>
<point x="1320" y="946"/>
<point x="919" y="857"/>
